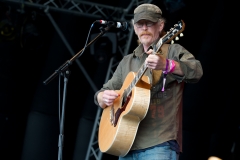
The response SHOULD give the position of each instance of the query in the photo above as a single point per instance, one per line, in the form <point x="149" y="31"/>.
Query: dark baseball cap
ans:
<point x="147" y="11"/>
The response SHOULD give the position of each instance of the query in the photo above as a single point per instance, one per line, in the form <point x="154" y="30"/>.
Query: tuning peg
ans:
<point x="172" y="42"/>
<point x="181" y="34"/>
<point x="177" y="38"/>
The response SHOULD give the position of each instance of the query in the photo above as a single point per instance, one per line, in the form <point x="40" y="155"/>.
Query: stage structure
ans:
<point x="95" y="11"/>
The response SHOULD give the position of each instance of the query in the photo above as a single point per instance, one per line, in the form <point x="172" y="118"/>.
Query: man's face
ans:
<point x="147" y="31"/>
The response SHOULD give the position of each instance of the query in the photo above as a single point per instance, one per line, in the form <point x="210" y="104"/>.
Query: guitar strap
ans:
<point x="163" y="52"/>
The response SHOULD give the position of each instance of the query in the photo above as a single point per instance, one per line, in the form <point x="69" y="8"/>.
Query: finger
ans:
<point x="149" y="51"/>
<point x="147" y="61"/>
<point x="106" y="101"/>
<point x="109" y="100"/>
<point x="109" y="94"/>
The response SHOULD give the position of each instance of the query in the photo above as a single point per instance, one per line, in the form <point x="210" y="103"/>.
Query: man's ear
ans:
<point x="161" y="26"/>
<point x="134" y="30"/>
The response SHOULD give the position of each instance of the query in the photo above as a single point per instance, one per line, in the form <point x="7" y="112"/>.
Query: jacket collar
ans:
<point x="139" y="51"/>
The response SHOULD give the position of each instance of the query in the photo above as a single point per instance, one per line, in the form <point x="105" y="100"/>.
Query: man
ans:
<point x="159" y="134"/>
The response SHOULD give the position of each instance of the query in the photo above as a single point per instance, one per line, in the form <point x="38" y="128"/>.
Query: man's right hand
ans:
<point x="106" y="98"/>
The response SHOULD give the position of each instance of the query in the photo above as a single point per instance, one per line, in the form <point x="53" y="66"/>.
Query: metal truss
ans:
<point x="86" y="9"/>
<point x="83" y="8"/>
<point x="97" y="11"/>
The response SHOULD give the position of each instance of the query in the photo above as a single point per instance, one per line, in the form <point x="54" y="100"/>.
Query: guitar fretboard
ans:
<point x="138" y="76"/>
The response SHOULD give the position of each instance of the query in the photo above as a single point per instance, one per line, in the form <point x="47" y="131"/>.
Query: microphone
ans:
<point x="121" y="25"/>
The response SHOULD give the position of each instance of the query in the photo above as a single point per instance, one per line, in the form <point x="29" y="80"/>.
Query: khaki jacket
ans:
<point x="163" y="121"/>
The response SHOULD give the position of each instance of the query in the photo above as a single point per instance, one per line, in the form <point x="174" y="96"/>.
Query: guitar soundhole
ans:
<point x="121" y="109"/>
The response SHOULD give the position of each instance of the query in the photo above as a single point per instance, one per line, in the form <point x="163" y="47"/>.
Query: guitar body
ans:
<point x="118" y="139"/>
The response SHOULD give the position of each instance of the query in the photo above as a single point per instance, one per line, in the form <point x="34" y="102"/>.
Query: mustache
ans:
<point x="145" y="32"/>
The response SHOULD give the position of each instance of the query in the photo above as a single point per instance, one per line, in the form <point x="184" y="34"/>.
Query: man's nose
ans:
<point x="144" y="26"/>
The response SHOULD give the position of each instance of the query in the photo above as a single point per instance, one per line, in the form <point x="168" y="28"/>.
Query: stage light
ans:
<point x="214" y="158"/>
<point x="7" y="31"/>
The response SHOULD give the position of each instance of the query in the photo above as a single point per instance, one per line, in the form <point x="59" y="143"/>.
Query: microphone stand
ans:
<point x="64" y="71"/>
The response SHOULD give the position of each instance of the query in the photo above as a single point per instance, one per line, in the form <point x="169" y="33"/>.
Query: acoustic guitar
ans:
<point x="119" y="122"/>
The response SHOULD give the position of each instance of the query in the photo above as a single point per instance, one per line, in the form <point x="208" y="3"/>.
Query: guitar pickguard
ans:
<point x="121" y="109"/>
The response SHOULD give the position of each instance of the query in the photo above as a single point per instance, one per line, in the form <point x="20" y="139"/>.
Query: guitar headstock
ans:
<point x="174" y="32"/>
<point x="171" y="34"/>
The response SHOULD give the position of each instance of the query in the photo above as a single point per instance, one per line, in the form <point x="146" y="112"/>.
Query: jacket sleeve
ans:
<point x="115" y="83"/>
<point x="190" y="66"/>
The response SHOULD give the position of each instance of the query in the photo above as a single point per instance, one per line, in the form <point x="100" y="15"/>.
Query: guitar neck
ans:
<point x="142" y="69"/>
<point x="138" y="76"/>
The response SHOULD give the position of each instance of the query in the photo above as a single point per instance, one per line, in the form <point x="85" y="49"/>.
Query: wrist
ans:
<point x="171" y="66"/>
<point x="166" y="67"/>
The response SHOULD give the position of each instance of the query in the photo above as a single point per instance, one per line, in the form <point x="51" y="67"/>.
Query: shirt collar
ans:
<point x="139" y="50"/>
